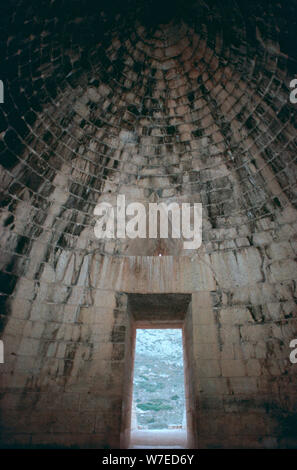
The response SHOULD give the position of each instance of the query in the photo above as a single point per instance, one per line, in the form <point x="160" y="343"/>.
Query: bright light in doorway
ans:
<point x="159" y="396"/>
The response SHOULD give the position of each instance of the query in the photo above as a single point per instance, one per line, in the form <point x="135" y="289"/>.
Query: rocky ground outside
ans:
<point x="159" y="379"/>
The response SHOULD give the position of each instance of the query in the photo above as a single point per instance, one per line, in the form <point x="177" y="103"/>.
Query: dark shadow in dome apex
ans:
<point x="157" y="12"/>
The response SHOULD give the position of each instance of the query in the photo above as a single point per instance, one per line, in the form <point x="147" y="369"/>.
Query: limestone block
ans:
<point x="244" y="350"/>
<point x="278" y="251"/>
<point x="14" y="326"/>
<point x="25" y="289"/>
<point x="233" y="368"/>
<point x="206" y="334"/>
<point x="104" y="298"/>
<point x="213" y="386"/>
<point x="70" y="420"/>
<point x="206" y="350"/>
<point x="262" y="238"/>
<point x="283" y="270"/>
<point x="229" y="334"/>
<point x="243" y="385"/>
<point x="253" y="368"/>
<point x="28" y="347"/>
<point x="227" y="350"/>
<point x="48" y="274"/>
<point x="209" y="368"/>
<point x="234" y="315"/>
<point x="202" y="309"/>
<point x="255" y="333"/>
<point x="233" y="271"/>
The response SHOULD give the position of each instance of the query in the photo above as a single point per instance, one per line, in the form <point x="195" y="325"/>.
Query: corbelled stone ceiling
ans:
<point x="154" y="101"/>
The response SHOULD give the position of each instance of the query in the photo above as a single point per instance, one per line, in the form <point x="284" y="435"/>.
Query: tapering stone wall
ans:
<point x="157" y="103"/>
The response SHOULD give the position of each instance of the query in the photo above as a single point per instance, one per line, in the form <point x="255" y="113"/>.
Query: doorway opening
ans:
<point x="158" y="407"/>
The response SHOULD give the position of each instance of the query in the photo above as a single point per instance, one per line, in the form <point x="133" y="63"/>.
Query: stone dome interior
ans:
<point x="159" y="101"/>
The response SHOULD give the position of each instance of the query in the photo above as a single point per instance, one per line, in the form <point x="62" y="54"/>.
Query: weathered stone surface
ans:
<point x="161" y="105"/>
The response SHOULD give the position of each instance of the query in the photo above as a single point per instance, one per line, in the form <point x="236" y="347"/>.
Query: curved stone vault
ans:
<point x="159" y="101"/>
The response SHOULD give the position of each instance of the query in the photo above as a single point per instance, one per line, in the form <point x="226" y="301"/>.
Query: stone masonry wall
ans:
<point x="187" y="104"/>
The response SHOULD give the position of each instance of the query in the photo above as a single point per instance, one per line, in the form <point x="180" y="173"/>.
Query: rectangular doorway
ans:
<point x="169" y="312"/>
<point x="158" y="404"/>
